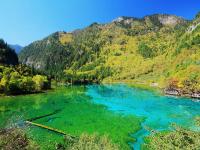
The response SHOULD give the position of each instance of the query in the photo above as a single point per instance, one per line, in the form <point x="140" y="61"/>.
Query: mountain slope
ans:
<point x="16" y="47"/>
<point x="7" y="54"/>
<point x="47" y="55"/>
<point x="161" y="50"/>
<point x="61" y="50"/>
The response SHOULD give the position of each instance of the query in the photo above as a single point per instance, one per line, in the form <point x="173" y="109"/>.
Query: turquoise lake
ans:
<point x="160" y="111"/>
<point x="105" y="109"/>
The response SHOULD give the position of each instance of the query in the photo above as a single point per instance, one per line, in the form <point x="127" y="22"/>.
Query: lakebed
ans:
<point x="117" y="110"/>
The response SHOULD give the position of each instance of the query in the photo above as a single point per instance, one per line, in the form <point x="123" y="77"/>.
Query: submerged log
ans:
<point x="50" y="129"/>
<point x="39" y="117"/>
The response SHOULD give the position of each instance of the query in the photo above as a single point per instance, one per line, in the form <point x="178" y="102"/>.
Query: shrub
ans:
<point x="15" y="139"/>
<point x="88" y="142"/>
<point x="178" y="139"/>
<point x="27" y="85"/>
<point x="196" y="40"/>
<point x="41" y="82"/>
<point x="19" y="80"/>
<point x="145" y="51"/>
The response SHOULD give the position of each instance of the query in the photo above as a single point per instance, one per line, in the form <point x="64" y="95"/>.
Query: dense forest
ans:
<point x="7" y="54"/>
<point x="16" y="78"/>
<point x="157" y="50"/>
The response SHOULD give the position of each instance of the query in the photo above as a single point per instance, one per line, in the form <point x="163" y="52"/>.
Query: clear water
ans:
<point x="160" y="111"/>
<point x="75" y="114"/>
<point x="105" y="109"/>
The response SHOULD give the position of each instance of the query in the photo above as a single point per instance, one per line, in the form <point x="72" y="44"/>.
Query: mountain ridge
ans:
<point x="155" y="49"/>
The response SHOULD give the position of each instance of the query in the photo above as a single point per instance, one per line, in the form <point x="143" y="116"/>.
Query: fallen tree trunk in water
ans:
<point x="39" y="117"/>
<point x="50" y="129"/>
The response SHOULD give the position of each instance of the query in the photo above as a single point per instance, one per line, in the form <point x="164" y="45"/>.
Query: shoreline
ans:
<point x="26" y="94"/>
<point x="191" y="96"/>
<point x="157" y="89"/>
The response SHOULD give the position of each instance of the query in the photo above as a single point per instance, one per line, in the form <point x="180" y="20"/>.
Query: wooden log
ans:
<point x="39" y="117"/>
<point x="49" y="128"/>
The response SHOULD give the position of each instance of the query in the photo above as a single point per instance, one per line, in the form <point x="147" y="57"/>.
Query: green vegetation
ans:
<point x="7" y="55"/>
<point x="156" y="49"/>
<point x="95" y="75"/>
<point x="178" y="139"/>
<point x="16" y="139"/>
<point x="88" y="142"/>
<point x="21" y="80"/>
<point x="16" y="78"/>
<point x="47" y="56"/>
<point x="145" y="51"/>
<point x="197" y="121"/>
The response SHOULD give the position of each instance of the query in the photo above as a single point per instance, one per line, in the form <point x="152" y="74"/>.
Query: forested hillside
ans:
<point x="157" y="50"/>
<point x="16" y="78"/>
<point x="7" y="54"/>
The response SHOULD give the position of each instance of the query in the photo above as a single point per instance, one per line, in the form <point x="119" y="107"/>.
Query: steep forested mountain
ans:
<point x="16" y="78"/>
<point x="47" y="55"/>
<point x="65" y="50"/>
<point x="158" y="50"/>
<point x="7" y="54"/>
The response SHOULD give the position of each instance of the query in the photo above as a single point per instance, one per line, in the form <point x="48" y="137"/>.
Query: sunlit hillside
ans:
<point x="157" y="50"/>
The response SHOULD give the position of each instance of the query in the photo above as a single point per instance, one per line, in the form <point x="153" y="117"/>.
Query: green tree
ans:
<point x="145" y="50"/>
<point x="41" y="82"/>
<point x="7" y="55"/>
<point x="198" y="15"/>
<point x="196" y="40"/>
<point x="27" y="85"/>
<point x="70" y="75"/>
<point x="14" y="83"/>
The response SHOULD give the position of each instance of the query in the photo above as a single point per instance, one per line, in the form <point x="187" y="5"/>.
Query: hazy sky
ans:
<point x="24" y="21"/>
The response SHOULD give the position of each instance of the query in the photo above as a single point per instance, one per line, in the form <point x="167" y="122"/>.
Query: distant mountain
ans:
<point x="7" y="55"/>
<point x="16" y="47"/>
